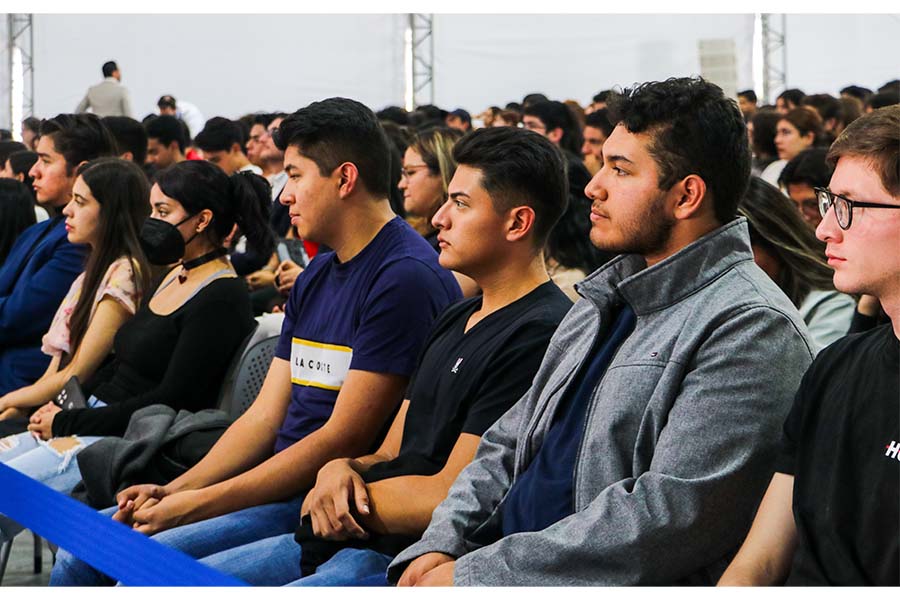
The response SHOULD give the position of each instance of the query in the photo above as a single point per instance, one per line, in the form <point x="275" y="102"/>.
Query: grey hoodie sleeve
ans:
<point x="684" y="513"/>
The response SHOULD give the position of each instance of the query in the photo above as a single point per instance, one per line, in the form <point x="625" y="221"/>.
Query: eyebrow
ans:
<point x="43" y="155"/>
<point x="159" y="204"/>
<point x="619" y="158"/>
<point x="79" y="196"/>
<point x="455" y="195"/>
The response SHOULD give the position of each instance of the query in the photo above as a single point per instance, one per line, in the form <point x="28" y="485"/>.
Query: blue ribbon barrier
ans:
<point x="111" y="547"/>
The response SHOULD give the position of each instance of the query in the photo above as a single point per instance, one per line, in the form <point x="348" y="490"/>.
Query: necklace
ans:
<point x="200" y="260"/>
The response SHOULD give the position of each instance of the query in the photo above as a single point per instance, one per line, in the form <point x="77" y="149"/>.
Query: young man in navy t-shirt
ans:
<point x="505" y="197"/>
<point x="355" y="323"/>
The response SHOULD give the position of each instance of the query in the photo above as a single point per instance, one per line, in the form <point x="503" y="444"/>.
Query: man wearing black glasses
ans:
<point x="830" y="515"/>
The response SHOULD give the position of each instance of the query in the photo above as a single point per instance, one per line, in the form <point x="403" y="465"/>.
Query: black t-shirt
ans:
<point x="464" y="382"/>
<point x="177" y="359"/>
<point x="842" y="445"/>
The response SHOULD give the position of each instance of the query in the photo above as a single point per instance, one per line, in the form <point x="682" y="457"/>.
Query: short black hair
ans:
<point x="130" y="137"/>
<point x="394" y="114"/>
<point x="166" y="101"/>
<point x="79" y="137"/>
<point x="826" y="105"/>
<point x="857" y="91"/>
<point x="265" y="119"/>
<point x="5" y="135"/>
<point x="556" y="114"/>
<point x="219" y="134"/>
<point x="32" y="124"/>
<point x="765" y="122"/>
<point x="888" y="97"/>
<point x="339" y="130"/>
<point x="167" y="129"/>
<point x="534" y="97"/>
<point x="601" y="96"/>
<point x="695" y="129"/>
<point x="793" y="95"/>
<point x="599" y="119"/>
<point x="808" y="167"/>
<point x="518" y="167"/>
<point x="7" y="147"/>
<point x="893" y="84"/>
<point x="21" y="162"/>
<point x="109" y="67"/>
<point x="749" y="95"/>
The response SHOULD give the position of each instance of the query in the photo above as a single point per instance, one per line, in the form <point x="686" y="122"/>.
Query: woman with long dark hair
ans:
<point x="177" y="347"/>
<point x="786" y="248"/>
<point x="16" y="213"/>
<point x="109" y="204"/>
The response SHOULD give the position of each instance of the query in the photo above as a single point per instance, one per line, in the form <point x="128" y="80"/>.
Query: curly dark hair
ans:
<point x="695" y="129"/>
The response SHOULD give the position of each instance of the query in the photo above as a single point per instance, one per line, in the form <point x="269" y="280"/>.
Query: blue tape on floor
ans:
<point x="120" y="552"/>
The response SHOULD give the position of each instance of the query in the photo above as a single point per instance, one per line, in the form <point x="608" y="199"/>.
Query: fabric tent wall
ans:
<point x="494" y="59"/>
<point x="828" y="52"/>
<point x="5" y="117"/>
<point x="227" y="65"/>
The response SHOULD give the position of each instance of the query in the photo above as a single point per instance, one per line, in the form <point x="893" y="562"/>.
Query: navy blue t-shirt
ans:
<point x="371" y="313"/>
<point x="543" y="494"/>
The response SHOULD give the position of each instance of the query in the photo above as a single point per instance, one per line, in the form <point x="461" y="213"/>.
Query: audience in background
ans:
<point x="786" y="248"/>
<point x="166" y="142"/>
<point x="130" y="136"/>
<point x="799" y="129"/>
<point x="747" y="103"/>
<point x="221" y="143"/>
<point x="109" y="98"/>
<point x="788" y="100"/>
<point x="799" y="178"/>
<point x="16" y="214"/>
<point x="761" y="129"/>
<point x="31" y="128"/>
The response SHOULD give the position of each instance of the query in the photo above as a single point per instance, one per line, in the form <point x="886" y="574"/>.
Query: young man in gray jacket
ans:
<point x="641" y="451"/>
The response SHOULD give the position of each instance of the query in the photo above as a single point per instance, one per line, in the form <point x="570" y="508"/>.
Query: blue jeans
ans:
<point x="276" y="561"/>
<point x="42" y="462"/>
<point x="197" y="539"/>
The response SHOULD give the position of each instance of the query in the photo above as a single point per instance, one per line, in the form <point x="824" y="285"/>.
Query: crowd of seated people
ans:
<point x="549" y="344"/>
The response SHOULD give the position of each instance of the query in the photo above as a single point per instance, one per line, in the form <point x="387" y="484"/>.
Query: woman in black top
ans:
<point x="176" y="348"/>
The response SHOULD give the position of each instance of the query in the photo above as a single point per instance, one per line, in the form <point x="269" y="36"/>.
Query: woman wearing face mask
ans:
<point x="176" y="348"/>
<point x="108" y="207"/>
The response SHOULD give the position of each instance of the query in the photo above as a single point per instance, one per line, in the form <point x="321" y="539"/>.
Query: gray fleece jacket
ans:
<point x="680" y="438"/>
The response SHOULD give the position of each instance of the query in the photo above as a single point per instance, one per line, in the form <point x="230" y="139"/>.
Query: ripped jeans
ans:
<point x="52" y="463"/>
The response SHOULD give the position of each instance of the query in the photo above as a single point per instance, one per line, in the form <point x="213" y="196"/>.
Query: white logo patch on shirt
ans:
<point x="319" y="365"/>
<point x="455" y="368"/>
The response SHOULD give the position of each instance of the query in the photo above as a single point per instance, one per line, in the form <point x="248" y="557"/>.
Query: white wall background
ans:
<point x="225" y="64"/>
<point x="233" y="64"/>
<point x="494" y="59"/>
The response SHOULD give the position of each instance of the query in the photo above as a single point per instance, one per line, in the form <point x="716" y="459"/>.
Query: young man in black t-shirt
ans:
<point x="508" y="192"/>
<point x="839" y="468"/>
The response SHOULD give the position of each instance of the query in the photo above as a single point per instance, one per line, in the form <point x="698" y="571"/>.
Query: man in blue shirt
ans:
<point x="354" y="325"/>
<point x="42" y="265"/>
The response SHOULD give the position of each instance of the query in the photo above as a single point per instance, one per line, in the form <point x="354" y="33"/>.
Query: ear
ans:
<point x="520" y="223"/>
<point x="127" y="156"/>
<point x="206" y="217"/>
<point x="554" y="135"/>
<point x="348" y="178"/>
<point x="235" y="147"/>
<point x="691" y="193"/>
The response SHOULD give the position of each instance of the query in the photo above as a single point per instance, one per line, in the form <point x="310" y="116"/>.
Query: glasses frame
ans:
<point x="827" y="199"/>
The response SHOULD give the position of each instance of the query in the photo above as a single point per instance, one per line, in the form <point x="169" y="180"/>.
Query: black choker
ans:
<point x="200" y="260"/>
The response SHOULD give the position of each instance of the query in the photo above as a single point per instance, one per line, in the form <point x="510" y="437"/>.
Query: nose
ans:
<point x="594" y="189"/>
<point x="403" y="183"/>
<point x="828" y="229"/>
<point x="585" y="149"/>
<point x="440" y="220"/>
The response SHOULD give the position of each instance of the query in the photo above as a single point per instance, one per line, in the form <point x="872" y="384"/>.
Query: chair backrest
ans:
<point x="247" y="372"/>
